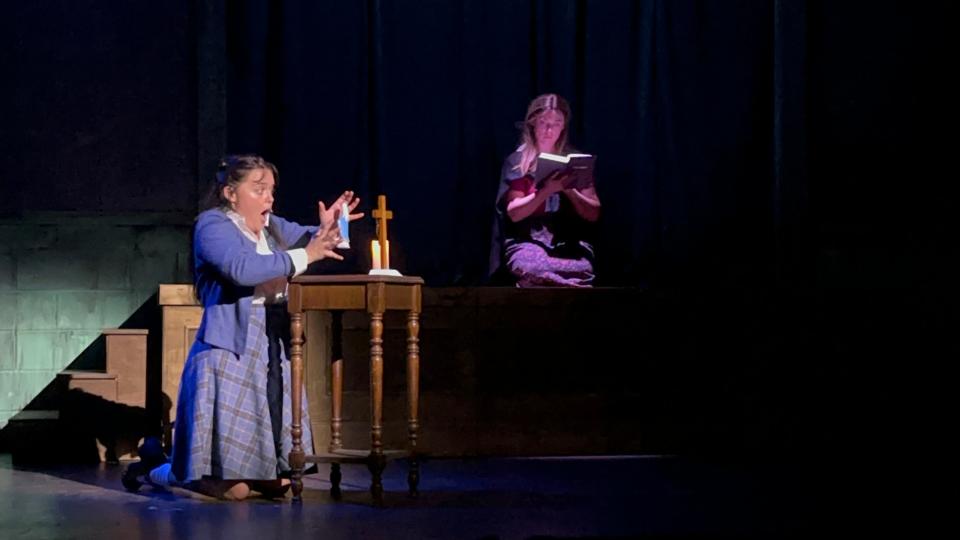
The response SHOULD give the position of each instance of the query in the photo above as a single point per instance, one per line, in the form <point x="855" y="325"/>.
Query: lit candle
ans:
<point x="375" y="254"/>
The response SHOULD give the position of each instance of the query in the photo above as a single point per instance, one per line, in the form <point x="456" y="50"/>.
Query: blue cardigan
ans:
<point x="227" y="267"/>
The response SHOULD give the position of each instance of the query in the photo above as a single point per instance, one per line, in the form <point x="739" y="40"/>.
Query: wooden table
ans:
<point x="375" y="295"/>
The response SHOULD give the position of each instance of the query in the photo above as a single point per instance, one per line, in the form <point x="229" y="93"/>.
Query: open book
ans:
<point x="579" y="167"/>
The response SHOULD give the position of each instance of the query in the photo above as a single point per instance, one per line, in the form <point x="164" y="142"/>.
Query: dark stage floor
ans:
<point x="485" y="498"/>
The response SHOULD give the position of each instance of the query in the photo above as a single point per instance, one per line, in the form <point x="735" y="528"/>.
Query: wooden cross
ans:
<point x="381" y="214"/>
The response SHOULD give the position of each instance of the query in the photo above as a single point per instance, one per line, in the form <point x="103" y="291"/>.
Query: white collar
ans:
<point x="242" y="225"/>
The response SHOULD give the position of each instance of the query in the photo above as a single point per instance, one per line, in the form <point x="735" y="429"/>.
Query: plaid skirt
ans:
<point x="223" y="427"/>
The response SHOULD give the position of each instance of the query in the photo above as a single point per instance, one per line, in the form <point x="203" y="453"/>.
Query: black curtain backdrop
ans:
<point x="418" y="100"/>
<point x="741" y="143"/>
<point x="738" y="141"/>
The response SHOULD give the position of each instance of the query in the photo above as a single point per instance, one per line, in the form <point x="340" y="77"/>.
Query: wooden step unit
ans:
<point x="127" y="362"/>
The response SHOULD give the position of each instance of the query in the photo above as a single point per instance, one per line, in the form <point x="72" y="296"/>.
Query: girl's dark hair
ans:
<point x="231" y="171"/>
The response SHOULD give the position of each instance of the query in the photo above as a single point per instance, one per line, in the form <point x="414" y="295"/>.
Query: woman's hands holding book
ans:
<point x="555" y="182"/>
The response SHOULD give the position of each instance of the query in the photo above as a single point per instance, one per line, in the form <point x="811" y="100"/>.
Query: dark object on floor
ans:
<point x="151" y="456"/>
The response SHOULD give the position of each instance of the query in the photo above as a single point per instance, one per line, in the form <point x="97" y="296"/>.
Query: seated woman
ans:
<point x="543" y="232"/>
<point x="232" y="431"/>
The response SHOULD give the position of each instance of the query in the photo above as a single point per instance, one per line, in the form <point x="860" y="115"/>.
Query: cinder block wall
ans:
<point x="63" y="278"/>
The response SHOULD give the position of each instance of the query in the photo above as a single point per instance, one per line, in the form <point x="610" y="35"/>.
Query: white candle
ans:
<point x="388" y="254"/>
<point x="375" y="254"/>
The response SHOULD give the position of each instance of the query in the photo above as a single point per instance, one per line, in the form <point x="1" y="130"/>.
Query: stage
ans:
<point x="774" y="297"/>
<point x="503" y="498"/>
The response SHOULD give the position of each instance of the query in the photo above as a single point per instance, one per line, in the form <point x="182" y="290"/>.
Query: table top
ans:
<point x="320" y="279"/>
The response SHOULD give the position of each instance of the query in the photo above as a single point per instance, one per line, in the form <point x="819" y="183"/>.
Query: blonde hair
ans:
<point x="528" y="138"/>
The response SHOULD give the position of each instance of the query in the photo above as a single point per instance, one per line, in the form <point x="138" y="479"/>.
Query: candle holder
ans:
<point x="382" y="272"/>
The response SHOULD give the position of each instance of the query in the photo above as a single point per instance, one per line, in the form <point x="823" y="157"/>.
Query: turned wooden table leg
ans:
<point x="336" y="383"/>
<point x="297" y="458"/>
<point x="335" y="423"/>
<point x="413" y="397"/>
<point x="336" y="395"/>
<point x="377" y="461"/>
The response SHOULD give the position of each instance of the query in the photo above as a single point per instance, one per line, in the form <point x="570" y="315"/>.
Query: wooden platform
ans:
<point x="557" y="372"/>
<point x="504" y="371"/>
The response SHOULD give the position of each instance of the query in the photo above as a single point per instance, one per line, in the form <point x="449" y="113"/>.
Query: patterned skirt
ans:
<point x="540" y="262"/>
<point x="223" y="427"/>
